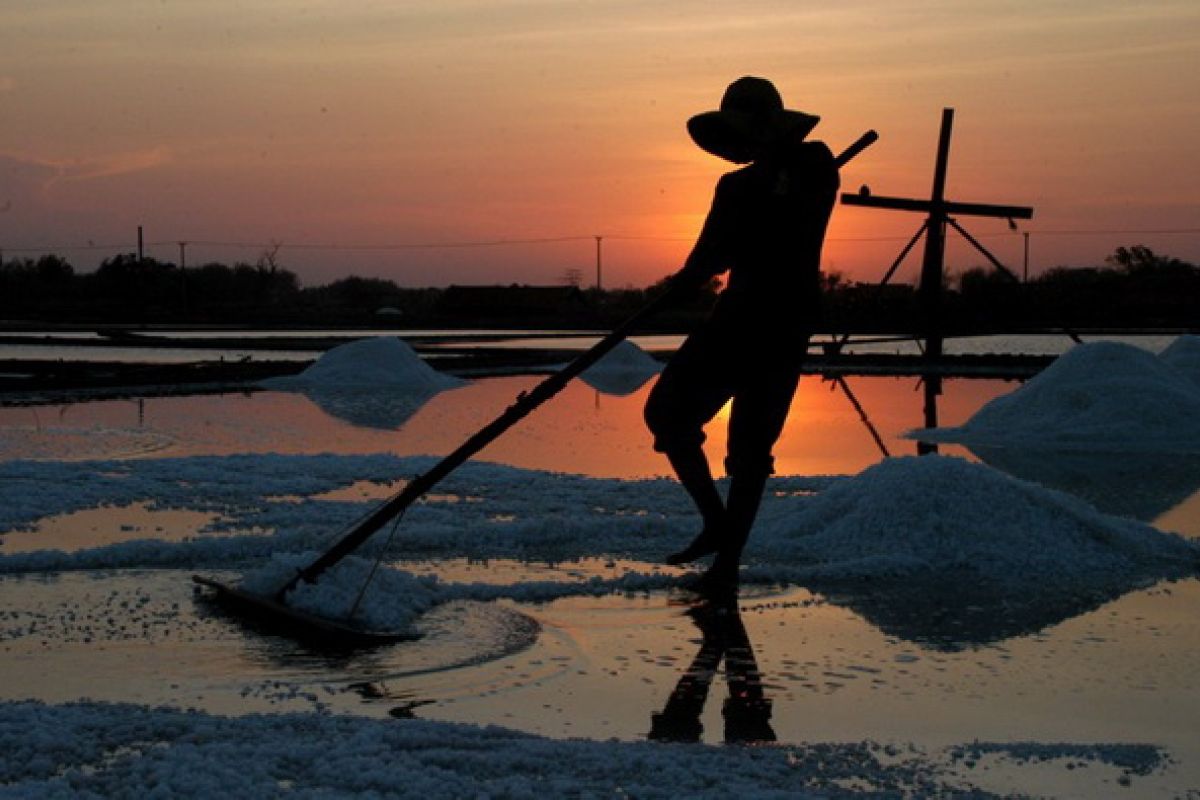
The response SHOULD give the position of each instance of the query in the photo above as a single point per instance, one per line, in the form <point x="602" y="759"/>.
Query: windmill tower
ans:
<point x="940" y="215"/>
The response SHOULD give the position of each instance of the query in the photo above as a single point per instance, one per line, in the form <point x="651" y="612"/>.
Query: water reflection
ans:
<point x="452" y="635"/>
<point x="381" y="409"/>
<point x="1142" y="486"/>
<point x="949" y="614"/>
<point x="841" y="383"/>
<point x="746" y="711"/>
<point x="932" y="386"/>
<point x="617" y="383"/>
<point x="572" y="433"/>
<point x="271" y="643"/>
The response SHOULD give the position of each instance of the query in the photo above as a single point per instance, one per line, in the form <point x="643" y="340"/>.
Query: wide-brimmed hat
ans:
<point x="751" y="115"/>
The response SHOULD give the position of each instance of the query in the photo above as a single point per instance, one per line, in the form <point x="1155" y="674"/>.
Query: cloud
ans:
<point x="47" y="173"/>
<point x="105" y="166"/>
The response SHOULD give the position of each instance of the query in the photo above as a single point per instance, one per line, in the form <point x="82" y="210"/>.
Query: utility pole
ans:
<point x="140" y="252"/>
<point x="598" y="281"/>
<point x="183" y="272"/>
<point x="1026" y="235"/>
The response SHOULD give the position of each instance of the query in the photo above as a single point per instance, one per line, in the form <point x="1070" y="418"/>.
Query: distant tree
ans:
<point x="263" y="285"/>
<point x="136" y="288"/>
<point x="832" y="280"/>
<point x="355" y="300"/>
<point x="1140" y="259"/>
<point x="268" y="259"/>
<point x="54" y="271"/>
<point x="981" y="280"/>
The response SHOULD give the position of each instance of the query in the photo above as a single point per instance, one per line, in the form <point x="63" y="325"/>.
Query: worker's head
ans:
<point x="750" y="120"/>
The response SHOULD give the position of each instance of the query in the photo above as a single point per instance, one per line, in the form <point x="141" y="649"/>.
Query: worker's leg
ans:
<point x="688" y="394"/>
<point x="755" y="423"/>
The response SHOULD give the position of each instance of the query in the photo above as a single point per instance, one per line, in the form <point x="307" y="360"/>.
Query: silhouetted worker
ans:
<point x="766" y="227"/>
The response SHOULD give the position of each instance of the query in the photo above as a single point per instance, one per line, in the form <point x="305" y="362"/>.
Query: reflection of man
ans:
<point x="747" y="711"/>
<point x="766" y="227"/>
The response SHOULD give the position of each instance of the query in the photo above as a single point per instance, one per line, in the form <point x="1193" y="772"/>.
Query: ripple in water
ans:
<point x="79" y="444"/>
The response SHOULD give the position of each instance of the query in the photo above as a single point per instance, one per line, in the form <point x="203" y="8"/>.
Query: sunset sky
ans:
<point x="375" y="126"/>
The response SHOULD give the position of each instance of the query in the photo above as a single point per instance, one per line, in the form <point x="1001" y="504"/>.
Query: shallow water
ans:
<point x="603" y="668"/>
<point x="829" y="668"/>
<point x="582" y="430"/>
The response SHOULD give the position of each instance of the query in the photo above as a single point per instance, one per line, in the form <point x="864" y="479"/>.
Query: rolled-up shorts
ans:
<point x="739" y="354"/>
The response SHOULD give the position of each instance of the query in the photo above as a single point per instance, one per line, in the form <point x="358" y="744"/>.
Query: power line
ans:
<point x="309" y="245"/>
<point x="1083" y="232"/>
<point x="484" y="243"/>
<point x="62" y="247"/>
<point x="1080" y="232"/>
<point x="389" y="246"/>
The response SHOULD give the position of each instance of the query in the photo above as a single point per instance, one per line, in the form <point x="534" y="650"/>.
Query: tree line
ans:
<point x="1135" y="287"/>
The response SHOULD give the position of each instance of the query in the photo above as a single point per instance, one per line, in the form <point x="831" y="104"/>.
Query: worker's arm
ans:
<point x="709" y="256"/>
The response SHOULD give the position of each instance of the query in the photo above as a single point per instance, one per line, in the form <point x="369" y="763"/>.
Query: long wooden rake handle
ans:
<point x="525" y="403"/>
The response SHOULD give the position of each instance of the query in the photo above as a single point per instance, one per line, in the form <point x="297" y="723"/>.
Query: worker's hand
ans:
<point x="684" y="286"/>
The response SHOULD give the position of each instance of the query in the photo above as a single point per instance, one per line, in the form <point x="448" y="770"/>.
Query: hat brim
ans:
<point x="737" y="137"/>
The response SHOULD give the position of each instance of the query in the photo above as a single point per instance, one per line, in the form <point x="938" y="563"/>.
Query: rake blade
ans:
<point x="277" y="617"/>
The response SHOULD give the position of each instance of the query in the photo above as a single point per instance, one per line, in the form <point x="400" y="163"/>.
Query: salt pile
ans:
<point x="959" y="522"/>
<point x="1184" y="355"/>
<point x="1101" y="395"/>
<point x="622" y="371"/>
<point x="380" y="362"/>
<point x="373" y="383"/>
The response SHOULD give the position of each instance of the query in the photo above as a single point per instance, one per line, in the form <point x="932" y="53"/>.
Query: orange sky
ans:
<point x="352" y="122"/>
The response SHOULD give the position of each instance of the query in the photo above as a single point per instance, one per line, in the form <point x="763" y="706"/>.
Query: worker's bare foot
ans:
<point x="718" y="583"/>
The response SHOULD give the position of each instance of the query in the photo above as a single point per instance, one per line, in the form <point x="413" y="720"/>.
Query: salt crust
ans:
<point x="937" y="518"/>
<point x="1100" y="395"/>
<point x="114" y="750"/>
<point x="941" y="518"/>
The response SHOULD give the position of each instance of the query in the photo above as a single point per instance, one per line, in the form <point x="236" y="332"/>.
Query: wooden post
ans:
<point x="598" y="282"/>
<point x="1026" y="271"/>
<point x="930" y="290"/>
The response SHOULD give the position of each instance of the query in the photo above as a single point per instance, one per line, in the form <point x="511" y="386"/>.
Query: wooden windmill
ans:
<point x="941" y="213"/>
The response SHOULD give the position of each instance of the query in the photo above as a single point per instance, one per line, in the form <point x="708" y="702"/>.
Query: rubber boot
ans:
<point x="745" y="496"/>
<point x="692" y="468"/>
